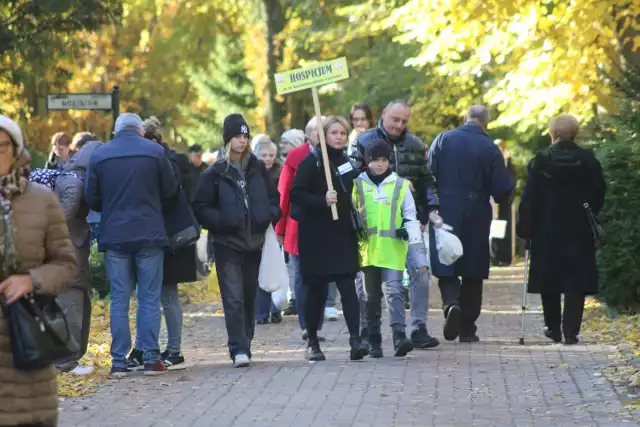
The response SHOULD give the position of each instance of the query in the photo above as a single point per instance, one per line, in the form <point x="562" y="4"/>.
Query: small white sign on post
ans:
<point x="80" y="101"/>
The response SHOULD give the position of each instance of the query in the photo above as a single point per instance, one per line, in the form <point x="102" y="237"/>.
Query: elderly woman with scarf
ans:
<point x="37" y="256"/>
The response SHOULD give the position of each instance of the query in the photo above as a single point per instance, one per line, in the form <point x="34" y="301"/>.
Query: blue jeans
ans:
<point x="172" y="317"/>
<point x="420" y="283"/>
<point x="264" y="305"/>
<point x="172" y="310"/>
<point x="301" y="292"/>
<point x="123" y="269"/>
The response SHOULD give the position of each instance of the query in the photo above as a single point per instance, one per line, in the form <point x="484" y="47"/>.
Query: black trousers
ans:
<point x="238" y="280"/>
<point x="570" y="319"/>
<point x="317" y="290"/>
<point x="468" y="295"/>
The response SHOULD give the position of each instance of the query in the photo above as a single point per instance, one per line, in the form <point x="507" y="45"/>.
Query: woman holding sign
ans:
<point x="328" y="248"/>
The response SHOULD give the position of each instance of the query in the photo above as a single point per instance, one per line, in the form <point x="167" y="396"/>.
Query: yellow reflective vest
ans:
<point x="381" y="211"/>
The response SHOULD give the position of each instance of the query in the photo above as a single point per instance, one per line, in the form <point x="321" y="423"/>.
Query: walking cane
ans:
<point x="524" y="293"/>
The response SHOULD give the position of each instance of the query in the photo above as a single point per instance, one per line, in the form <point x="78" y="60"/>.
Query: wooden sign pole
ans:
<point x="312" y="77"/>
<point x="323" y="148"/>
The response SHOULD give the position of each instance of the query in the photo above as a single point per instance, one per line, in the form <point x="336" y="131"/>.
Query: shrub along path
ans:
<point x="492" y="383"/>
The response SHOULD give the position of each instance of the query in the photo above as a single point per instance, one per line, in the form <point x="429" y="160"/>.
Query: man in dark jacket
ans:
<point x="469" y="169"/>
<point x="196" y="167"/>
<point x="127" y="180"/>
<point x="408" y="159"/>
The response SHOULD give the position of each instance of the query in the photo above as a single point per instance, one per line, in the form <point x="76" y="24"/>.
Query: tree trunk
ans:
<point x="299" y="116"/>
<point x="273" y="16"/>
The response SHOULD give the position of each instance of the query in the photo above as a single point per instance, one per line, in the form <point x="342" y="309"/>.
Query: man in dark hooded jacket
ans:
<point x="409" y="161"/>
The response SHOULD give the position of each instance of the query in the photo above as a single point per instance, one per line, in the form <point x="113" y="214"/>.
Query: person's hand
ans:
<point x="15" y="287"/>
<point x="435" y="219"/>
<point x="280" y="240"/>
<point x="411" y="187"/>
<point x="332" y="197"/>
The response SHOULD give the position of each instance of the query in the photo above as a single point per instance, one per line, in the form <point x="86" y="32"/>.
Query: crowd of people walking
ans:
<point x="146" y="205"/>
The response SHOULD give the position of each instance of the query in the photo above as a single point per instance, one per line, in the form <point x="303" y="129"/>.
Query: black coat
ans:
<point x="469" y="169"/>
<point x="326" y="247"/>
<point x="551" y="215"/>
<point x="179" y="266"/>
<point x="237" y="209"/>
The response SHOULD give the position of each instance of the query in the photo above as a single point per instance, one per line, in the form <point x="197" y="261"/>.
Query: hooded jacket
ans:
<point x="237" y="202"/>
<point x="409" y="161"/>
<point x="70" y="188"/>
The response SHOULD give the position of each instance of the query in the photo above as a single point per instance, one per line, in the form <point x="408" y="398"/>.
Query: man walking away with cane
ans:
<point x="469" y="168"/>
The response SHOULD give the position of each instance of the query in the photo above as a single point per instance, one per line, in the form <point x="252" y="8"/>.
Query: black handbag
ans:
<point x="180" y="223"/>
<point x="596" y="228"/>
<point x="39" y="332"/>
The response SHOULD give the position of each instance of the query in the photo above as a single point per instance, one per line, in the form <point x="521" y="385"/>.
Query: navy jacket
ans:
<point x="127" y="180"/>
<point x="409" y="161"/>
<point x="237" y="208"/>
<point x="469" y="168"/>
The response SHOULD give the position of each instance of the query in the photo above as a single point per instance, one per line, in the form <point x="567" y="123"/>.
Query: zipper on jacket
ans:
<point x="395" y="154"/>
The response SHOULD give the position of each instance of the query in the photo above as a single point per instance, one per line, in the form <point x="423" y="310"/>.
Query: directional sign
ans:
<point x="317" y="75"/>
<point x="79" y="101"/>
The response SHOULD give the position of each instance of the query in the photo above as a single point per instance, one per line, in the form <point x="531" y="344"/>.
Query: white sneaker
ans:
<point x="331" y="314"/>
<point x="81" y="370"/>
<point x="241" y="361"/>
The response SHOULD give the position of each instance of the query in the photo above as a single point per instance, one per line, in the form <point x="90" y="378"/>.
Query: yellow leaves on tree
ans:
<point x="544" y="56"/>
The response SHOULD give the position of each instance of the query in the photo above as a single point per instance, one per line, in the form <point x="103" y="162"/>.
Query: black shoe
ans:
<point x="420" y="338"/>
<point x="469" y="338"/>
<point x="305" y="336"/>
<point x="375" y="343"/>
<point x="118" y="373"/>
<point x="314" y="354"/>
<point x="401" y="343"/>
<point x="292" y="309"/>
<point x="174" y="361"/>
<point x="451" y="328"/>
<point x="276" y="317"/>
<point x="571" y="340"/>
<point x="357" y="351"/>
<point x="364" y="338"/>
<point x="262" y="321"/>
<point x="135" y="360"/>
<point x="553" y="335"/>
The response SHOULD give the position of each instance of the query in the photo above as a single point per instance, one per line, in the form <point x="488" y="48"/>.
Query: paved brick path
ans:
<point x="492" y="383"/>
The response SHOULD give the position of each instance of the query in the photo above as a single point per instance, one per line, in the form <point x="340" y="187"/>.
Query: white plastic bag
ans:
<point x="273" y="274"/>
<point x="280" y="298"/>
<point x="448" y="245"/>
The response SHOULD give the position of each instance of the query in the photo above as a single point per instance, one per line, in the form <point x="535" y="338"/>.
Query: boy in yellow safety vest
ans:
<point x="385" y="204"/>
